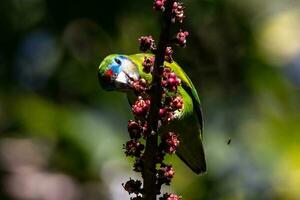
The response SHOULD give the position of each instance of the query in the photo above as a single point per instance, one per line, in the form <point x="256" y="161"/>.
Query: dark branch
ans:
<point x="149" y="173"/>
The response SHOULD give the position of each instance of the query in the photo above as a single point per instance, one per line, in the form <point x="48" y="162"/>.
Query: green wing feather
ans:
<point x="189" y="126"/>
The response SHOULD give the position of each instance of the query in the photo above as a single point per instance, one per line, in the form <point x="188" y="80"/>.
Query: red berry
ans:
<point x="133" y="148"/>
<point x="181" y="38"/>
<point x="135" y="129"/>
<point x="172" y="75"/>
<point x="148" y="64"/>
<point x="162" y="112"/>
<point x="132" y="186"/>
<point x="146" y="43"/>
<point x="170" y="197"/>
<point x="169" y="54"/>
<point x="176" y="103"/>
<point x="178" y="12"/>
<point x="139" y="85"/>
<point x="141" y="107"/>
<point x="165" y="174"/>
<point x="171" y="143"/>
<point x="159" y="5"/>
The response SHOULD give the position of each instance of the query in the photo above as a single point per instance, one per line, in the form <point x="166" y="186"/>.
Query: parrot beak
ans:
<point x="123" y="82"/>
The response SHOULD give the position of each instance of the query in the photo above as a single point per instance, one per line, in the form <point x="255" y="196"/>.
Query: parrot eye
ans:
<point x="118" y="61"/>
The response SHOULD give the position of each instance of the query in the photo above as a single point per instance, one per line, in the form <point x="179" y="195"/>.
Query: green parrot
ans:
<point x="116" y="71"/>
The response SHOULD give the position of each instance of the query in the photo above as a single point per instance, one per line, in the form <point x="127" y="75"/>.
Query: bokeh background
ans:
<point x="61" y="136"/>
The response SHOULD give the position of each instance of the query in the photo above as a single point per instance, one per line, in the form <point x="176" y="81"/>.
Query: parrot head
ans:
<point x="116" y="72"/>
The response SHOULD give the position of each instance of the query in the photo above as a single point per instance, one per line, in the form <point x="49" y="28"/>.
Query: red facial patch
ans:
<point x="109" y="73"/>
<point x="108" y="76"/>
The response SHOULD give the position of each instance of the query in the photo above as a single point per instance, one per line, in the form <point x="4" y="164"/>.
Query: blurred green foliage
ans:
<point x="61" y="135"/>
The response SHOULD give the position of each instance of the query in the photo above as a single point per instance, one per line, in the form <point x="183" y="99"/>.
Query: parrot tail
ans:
<point x="191" y="152"/>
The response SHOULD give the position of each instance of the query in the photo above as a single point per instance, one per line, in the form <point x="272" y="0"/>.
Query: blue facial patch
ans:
<point x="115" y="67"/>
